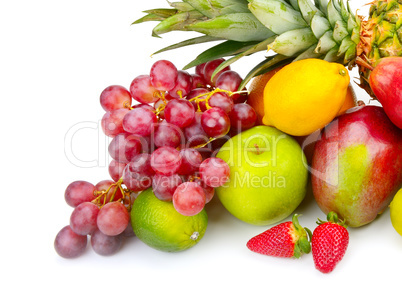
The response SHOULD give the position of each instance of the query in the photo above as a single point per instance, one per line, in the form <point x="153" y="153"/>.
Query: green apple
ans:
<point x="268" y="175"/>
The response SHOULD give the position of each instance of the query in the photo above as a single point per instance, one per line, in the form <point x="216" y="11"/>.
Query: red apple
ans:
<point x="357" y="165"/>
<point x="386" y="82"/>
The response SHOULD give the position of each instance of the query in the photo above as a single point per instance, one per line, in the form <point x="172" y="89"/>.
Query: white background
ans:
<point x="56" y="58"/>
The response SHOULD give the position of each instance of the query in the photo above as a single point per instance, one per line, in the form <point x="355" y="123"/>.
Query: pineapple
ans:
<point x="293" y="29"/>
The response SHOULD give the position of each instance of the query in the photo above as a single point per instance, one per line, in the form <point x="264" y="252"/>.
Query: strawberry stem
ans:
<point x="333" y="218"/>
<point x="303" y="244"/>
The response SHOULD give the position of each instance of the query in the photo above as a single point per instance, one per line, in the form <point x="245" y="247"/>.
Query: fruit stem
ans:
<point x="363" y="63"/>
<point x="208" y="95"/>
<point x="104" y="193"/>
<point x="303" y="243"/>
<point x="204" y="144"/>
<point x="333" y="218"/>
<point x="160" y="109"/>
<point x="257" y="149"/>
<point x="127" y="104"/>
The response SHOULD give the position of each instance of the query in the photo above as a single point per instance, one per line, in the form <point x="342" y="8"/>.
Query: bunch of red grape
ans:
<point x="165" y="142"/>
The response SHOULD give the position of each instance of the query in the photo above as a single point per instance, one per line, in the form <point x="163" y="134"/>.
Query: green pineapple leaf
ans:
<point x="236" y="26"/>
<point x="254" y="49"/>
<point x="270" y="63"/>
<point x="226" y="48"/>
<point x="189" y="42"/>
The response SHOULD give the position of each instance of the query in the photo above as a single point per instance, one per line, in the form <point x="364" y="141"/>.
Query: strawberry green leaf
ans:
<point x="304" y="244"/>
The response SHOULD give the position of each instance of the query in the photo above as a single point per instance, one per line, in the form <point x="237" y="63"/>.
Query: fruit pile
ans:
<point x="165" y="142"/>
<point x="164" y="168"/>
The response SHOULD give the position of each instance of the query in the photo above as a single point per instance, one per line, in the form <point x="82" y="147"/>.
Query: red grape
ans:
<point x="214" y="172"/>
<point x="209" y="191"/>
<point x="215" y="122"/>
<point x="242" y="117"/>
<point x="209" y="69"/>
<point x="198" y="81"/>
<point x="138" y="174"/>
<point x="199" y="69"/>
<point x="136" y="181"/>
<point x="189" y="199"/>
<point x="113" y="194"/>
<point x="139" y="121"/>
<point x="183" y="85"/>
<point x="146" y="144"/>
<point x="112" y="122"/>
<point x="128" y="232"/>
<point x="113" y="218"/>
<point x="105" y="245"/>
<point x="164" y="186"/>
<point x="165" y="160"/>
<point x="197" y="92"/>
<point x="83" y="218"/>
<point x="163" y="75"/>
<point x="221" y="100"/>
<point x="179" y="112"/>
<point x="146" y="106"/>
<point x="167" y="134"/>
<point x="78" y="192"/>
<point x="124" y="147"/>
<point x="231" y="80"/>
<point x="191" y="160"/>
<point x="142" y="90"/>
<point x="195" y="134"/>
<point x="116" y="170"/>
<point x="115" y="97"/>
<point x="68" y="244"/>
<point x="142" y="163"/>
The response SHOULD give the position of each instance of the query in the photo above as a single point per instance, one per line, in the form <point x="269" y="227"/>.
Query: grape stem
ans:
<point x="198" y="99"/>
<point x="160" y="109"/>
<point x="204" y="144"/>
<point x="104" y="193"/>
<point x="127" y="104"/>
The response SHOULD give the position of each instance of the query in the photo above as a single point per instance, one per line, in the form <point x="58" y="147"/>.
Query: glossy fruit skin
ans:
<point x="386" y="82"/>
<point x="262" y="179"/>
<point x="274" y="242"/>
<point x="297" y="93"/>
<point x="356" y="167"/>
<point x="287" y="239"/>
<point x="395" y="209"/>
<point x="160" y="226"/>
<point x="256" y="95"/>
<point x="328" y="245"/>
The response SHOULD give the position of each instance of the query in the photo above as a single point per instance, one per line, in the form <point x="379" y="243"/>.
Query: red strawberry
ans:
<point x="329" y="243"/>
<point x="287" y="239"/>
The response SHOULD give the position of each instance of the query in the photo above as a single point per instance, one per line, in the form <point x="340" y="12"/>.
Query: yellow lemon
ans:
<point x="305" y="96"/>
<point x="396" y="212"/>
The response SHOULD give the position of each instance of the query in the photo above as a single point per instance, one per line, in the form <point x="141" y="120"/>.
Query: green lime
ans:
<point x="159" y="225"/>
<point x="396" y="212"/>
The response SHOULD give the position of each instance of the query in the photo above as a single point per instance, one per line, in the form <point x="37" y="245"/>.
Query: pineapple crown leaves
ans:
<point x="302" y="244"/>
<point x="293" y="29"/>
